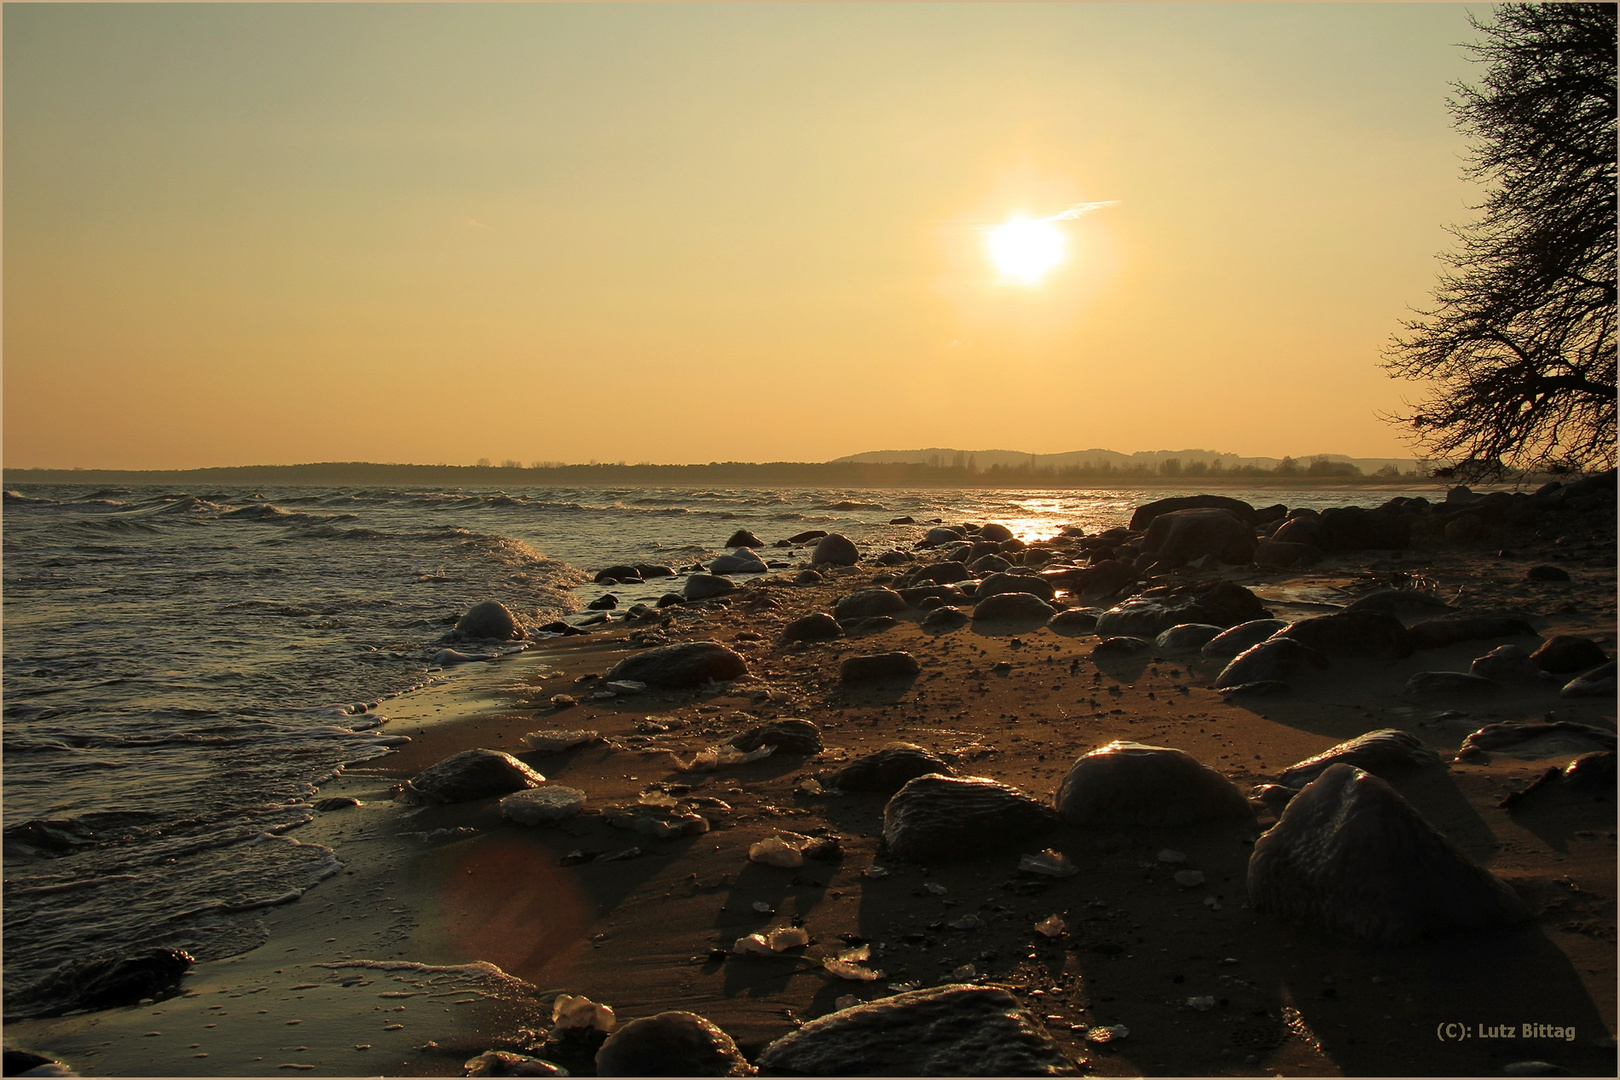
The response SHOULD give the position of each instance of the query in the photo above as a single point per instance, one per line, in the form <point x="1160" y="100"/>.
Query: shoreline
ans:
<point x="449" y="886"/>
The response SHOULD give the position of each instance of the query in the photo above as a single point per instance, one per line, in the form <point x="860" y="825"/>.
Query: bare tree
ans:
<point x="1520" y="345"/>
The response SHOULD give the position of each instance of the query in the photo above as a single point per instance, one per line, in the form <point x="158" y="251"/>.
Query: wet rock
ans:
<point x="605" y="602"/>
<point x="807" y="536"/>
<point x="703" y="586"/>
<point x="670" y="599"/>
<point x="1272" y="797"/>
<point x="1535" y="738"/>
<point x="835" y="549"/>
<point x="1397" y="602"/>
<point x="942" y="534"/>
<point x="1129" y="783"/>
<point x="1276" y="659"/>
<point x="681" y="666"/>
<point x="1546" y="573"/>
<point x="886" y="771"/>
<point x="864" y="603"/>
<point x="1219" y="603"/>
<point x="1104" y="578"/>
<point x="741" y="561"/>
<point x="27" y="1063"/>
<point x="1120" y="645"/>
<point x="1258" y="688"/>
<point x="542" y="805"/>
<point x="474" y="774"/>
<point x="1565" y="654"/>
<point x="336" y="802"/>
<point x="1351" y="856"/>
<point x="817" y="627"/>
<point x="507" y="1063"/>
<point x="1360" y="633"/>
<point x="99" y="982"/>
<point x="618" y="573"/>
<point x="654" y="570"/>
<point x="451" y="657"/>
<point x="1145" y="514"/>
<point x="1426" y="683"/>
<point x="1438" y="633"/>
<point x="742" y="538"/>
<point x="1588" y="776"/>
<point x="807" y="577"/>
<point x="784" y="736"/>
<point x="1599" y="682"/>
<point x="878" y="666"/>
<point x="943" y="620"/>
<point x="670" y="1044"/>
<point x="1013" y="607"/>
<point x="489" y="621"/>
<point x="917" y="595"/>
<point x="1228" y="643"/>
<point x="1382" y="753"/>
<point x="1509" y="664"/>
<point x="1180" y="536"/>
<point x="1187" y="637"/>
<point x="996" y="532"/>
<point x="892" y="558"/>
<point x="998" y="584"/>
<point x="1075" y="622"/>
<point x="989" y="564"/>
<point x="937" y="818"/>
<point x="941" y="573"/>
<point x="953" y="1030"/>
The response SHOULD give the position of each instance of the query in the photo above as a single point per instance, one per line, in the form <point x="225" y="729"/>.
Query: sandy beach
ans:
<point x="450" y="930"/>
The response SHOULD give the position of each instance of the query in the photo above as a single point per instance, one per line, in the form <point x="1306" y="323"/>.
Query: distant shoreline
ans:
<point x="768" y="474"/>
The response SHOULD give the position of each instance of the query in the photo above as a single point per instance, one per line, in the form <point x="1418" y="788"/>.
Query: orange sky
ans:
<point x="240" y="234"/>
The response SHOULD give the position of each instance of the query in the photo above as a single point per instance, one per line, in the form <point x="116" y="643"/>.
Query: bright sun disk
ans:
<point x="1026" y="249"/>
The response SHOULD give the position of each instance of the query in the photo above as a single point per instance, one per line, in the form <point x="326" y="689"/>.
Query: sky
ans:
<point x="256" y="234"/>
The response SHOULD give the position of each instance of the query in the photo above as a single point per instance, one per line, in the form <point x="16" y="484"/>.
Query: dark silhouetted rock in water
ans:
<point x="98" y="982"/>
<point x="605" y="602"/>
<point x="937" y="818"/>
<point x="703" y="586"/>
<point x="1509" y="664"/>
<point x="836" y="549"/>
<point x="817" y="627"/>
<point x="1427" y="683"/>
<point x="676" y="667"/>
<point x="1382" y="753"/>
<point x="489" y="620"/>
<point x="474" y="774"/>
<point x="807" y="536"/>
<point x="1546" y="573"/>
<point x="997" y="584"/>
<point x="1565" y="654"/>
<point x="1143" y="517"/>
<point x="943" y="620"/>
<point x="890" y="665"/>
<point x="1075" y="622"/>
<point x="1438" y="633"/>
<point x="995" y="532"/>
<point x="618" y="573"/>
<point x="1590" y="776"/>
<point x="1219" y="603"/>
<point x="1187" y="637"/>
<point x="1274" y="660"/>
<point x="671" y="1044"/>
<point x="1599" y="682"/>
<point x="742" y="538"/>
<point x="23" y="1062"/>
<point x="886" y="771"/>
<point x="1128" y="783"/>
<point x="941" y="1031"/>
<point x="1358" y="633"/>
<point x="1013" y="607"/>
<point x="1350" y="856"/>
<point x="1535" y="738"/>
<point x="863" y="603"/>
<point x="786" y="736"/>
<point x="1240" y="638"/>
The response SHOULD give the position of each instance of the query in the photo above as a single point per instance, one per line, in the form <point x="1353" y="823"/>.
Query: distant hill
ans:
<point x="1008" y="459"/>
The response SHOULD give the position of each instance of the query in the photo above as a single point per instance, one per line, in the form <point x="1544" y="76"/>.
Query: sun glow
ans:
<point x="1026" y="250"/>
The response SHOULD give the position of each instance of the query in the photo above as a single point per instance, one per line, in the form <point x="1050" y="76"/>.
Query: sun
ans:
<point x="1026" y="249"/>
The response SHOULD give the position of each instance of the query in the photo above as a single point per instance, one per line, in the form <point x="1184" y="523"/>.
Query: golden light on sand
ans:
<point x="1026" y="250"/>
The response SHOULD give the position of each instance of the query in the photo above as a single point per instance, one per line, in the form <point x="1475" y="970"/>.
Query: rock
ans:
<point x="989" y="564"/>
<point x="1013" y="607"/>
<point x="1274" y="660"/>
<point x="1590" y="775"/>
<point x="952" y="1030"/>
<point x="1464" y="529"/>
<point x="451" y="657"/>
<point x="807" y="536"/>
<point x="1599" y="682"/>
<point x="887" y="770"/>
<point x="670" y="599"/>
<point x="618" y="573"/>
<point x="941" y="573"/>
<point x="474" y="774"/>
<point x="887" y="666"/>
<point x="1075" y="622"/>
<point x="1180" y="536"/>
<point x="703" y="586"/>
<point x="1283" y="554"/>
<point x="1187" y="637"/>
<point x="1509" y="664"/>
<point x="605" y="602"/>
<point x="869" y="624"/>
<point x="1565" y="654"/>
<point x="1258" y="688"/>
<point x="941" y="534"/>
<point x="997" y="584"/>
<point x="336" y="802"/>
<point x="1229" y="643"/>
<point x="1104" y="578"/>
<point x="943" y="620"/>
<point x="863" y="603"/>
<point x="741" y="561"/>
<point x="918" y="594"/>
<point x="1144" y="515"/>
<point x="676" y="667"/>
<point x="1121" y="645"/>
<point x="1438" y="633"/>
<point x="489" y="620"/>
<point x="892" y="558"/>
<point x="907" y="520"/>
<point x="1219" y="603"/>
<point x="936" y="818"/>
<point x="1535" y="738"/>
<point x="742" y="538"/>
<point x="817" y="627"/>
<point x="1355" y="528"/>
<point x="99" y="982"/>
<point x="1351" y="856"/>
<point x="542" y="805"/>
<point x="1129" y="783"/>
<point x="507" y="1063"/>
<point x="783" y="736"/>
<point x="995" y="532"/>
<point x="1361" y="633"/>
<point x="654" y="570"/>
<point x="1546" y="573"/>
<point x="835" y="549"/>
<point x="670" y="1044"/>
<point x="808" y="577"/>
<point x="1381" y="753"/>
<point x="1425" y="683"/>
<point x="1396" y="601"/>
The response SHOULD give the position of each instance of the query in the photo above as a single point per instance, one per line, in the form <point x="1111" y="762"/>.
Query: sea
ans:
<point x="184" y="668"/>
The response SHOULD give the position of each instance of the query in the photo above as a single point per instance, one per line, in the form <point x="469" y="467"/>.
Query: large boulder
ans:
<point x="1128" y="783"/>
<point x="489" y="621"/>
<point x="620" y="572"/>
<point x="1180" y="536"/>
<point x="888" y="770"/>
<point x="1361" y="633"/>
<point x="103" y="982"/>
<point x="1509" y="664"/>
<point x="1387" y="752"/>
<point x="1535" y="739"/>
<point x="996" y="584"/>
<point x="1355" y="528"/>
<point x="741" y="561"/>
<point x="671" y="1044"/>
<point x="1438" y="633"/>
<point x="937" y="818"/>
<point x="1599" y="683"/>
<point x="863" y="603"/>
<point x="817" y="627"/>
<point x="1145" y="514"/>
<point x="1565" y="654"/>
<point x="1104" y="578"/>
<point x="703" y="586"/>
<point x="1219" y="603"/>
<point x="952" y="1030"/>
<point x="679" y="667"/>
<point x="1276" y="659"/>
<point x="835" y="549"/>
<point x="1187" y="637"/>
<point x="1236" y="639"/>
<point x="941" y="534"/>
<point x="1013" y="607"/>
<point x="474" y="774"/>
<point x="1351" y="856"/>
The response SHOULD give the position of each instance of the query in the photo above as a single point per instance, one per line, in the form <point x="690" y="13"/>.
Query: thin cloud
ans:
<point x="1080" y="208"/>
